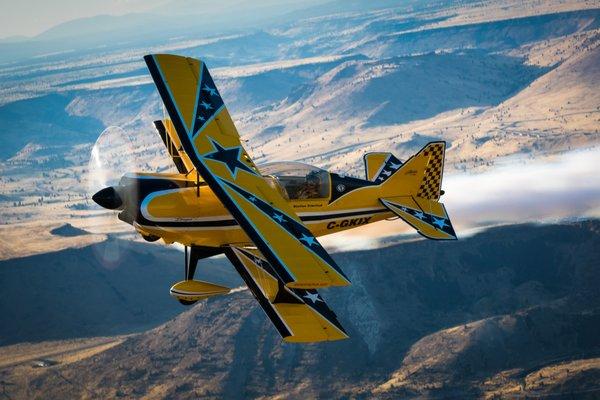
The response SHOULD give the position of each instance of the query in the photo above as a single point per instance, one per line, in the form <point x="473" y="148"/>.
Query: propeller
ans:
<point x="112" y="156"/>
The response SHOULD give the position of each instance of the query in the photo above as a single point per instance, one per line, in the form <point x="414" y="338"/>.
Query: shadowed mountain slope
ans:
<point x="48" y="122"/>
<point x="108" y="288"/>
<point x="515" y="296"/>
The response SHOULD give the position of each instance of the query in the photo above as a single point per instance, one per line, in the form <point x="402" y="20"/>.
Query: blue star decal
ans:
<point x="395" y="166"/>
<point x="419" y="215"/>
<point x="440" y="222"/>
<point x="252" y="199"/>
<point x="201" y="118"/>
<point x="206" y="105"/>
<point x="279" y="218"/>
<point x="210" y="90"/>
<point x="230" y="157"/>
<point x="309" y="240"/>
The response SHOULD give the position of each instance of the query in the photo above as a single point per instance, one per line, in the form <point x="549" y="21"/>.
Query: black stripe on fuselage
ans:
<point x="232" y="222"/>
<point x="348" y="214"/>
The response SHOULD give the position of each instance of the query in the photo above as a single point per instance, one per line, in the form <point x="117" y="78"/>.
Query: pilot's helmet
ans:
<point x="313" y="177"/>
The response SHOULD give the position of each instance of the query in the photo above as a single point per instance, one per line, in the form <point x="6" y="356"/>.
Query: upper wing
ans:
<point x="298" y="315"/>
<point x="167" y="134"/>
<point x="211" y="141"/>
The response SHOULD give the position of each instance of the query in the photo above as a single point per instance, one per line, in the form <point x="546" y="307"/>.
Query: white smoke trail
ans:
<point x="565" y="187"/>
<point x="550" y="190"/>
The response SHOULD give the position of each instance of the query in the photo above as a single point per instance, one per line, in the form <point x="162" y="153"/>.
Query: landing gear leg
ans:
<point x="191" y="262"/>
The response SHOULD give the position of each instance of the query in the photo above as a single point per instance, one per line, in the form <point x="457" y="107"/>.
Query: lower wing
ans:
<point x="298" y="315"/>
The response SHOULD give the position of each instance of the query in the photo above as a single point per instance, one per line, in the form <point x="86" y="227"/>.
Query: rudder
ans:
<point x="430" y="187"/>
<point x="420" y="176"/>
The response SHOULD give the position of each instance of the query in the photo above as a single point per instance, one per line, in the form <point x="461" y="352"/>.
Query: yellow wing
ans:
<point x="209" y="138"/>
<point x="298" y="315"/>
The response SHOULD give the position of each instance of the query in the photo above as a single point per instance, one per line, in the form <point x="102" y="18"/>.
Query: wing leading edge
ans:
<point x="210" y="140"/>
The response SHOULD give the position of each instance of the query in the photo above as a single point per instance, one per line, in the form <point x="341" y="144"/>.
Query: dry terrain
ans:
<point x="511" y="311"/>
<point x="501" y="81"/>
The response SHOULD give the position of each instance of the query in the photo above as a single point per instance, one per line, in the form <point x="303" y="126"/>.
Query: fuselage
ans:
<point x="179" y="209"/>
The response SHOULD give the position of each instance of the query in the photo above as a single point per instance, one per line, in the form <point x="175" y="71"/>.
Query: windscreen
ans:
<point x="298" y="181"/>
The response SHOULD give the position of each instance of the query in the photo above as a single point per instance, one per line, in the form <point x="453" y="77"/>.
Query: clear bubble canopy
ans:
<point x="297" y="180"/>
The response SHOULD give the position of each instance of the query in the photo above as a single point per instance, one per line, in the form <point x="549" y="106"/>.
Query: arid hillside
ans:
<point x="514" y="309"/>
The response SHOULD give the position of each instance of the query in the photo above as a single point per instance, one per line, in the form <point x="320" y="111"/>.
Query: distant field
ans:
<point x="502" y="82"/>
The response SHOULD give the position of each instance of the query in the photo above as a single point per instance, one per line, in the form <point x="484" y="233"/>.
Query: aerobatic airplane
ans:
<point x="265" y="219"/>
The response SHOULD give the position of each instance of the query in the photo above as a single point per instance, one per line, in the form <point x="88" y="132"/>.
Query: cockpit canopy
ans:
<point x="296" y="180"/>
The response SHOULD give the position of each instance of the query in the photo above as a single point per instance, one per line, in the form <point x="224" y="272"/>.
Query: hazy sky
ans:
<point x="30" y="17"/>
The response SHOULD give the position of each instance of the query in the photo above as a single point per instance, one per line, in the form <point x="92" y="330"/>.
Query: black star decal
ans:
<point x="230" y="157"/>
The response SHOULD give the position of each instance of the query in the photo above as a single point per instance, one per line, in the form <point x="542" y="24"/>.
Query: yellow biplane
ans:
<point x="265" y="219"/>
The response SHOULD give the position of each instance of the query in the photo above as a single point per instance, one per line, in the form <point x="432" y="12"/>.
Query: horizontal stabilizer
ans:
<point x="299" y="315"/>
<point x="428" y="217"/>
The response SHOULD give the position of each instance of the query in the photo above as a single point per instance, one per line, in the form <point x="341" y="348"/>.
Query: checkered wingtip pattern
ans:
<point x="432" y="179"/>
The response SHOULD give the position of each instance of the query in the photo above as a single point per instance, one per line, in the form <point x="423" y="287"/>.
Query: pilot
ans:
<point x="310" y="187"/>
